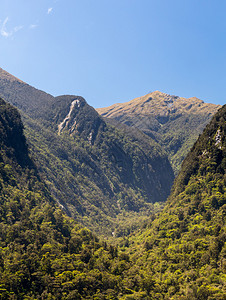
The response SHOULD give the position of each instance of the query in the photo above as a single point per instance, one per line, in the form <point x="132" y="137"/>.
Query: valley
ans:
<point x="90" y="205"/>
<point x="95" y="170"/>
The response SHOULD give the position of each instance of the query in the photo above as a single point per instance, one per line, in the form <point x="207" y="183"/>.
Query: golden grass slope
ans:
<point x="173" y="122"/>
<point x="158" y="103"/>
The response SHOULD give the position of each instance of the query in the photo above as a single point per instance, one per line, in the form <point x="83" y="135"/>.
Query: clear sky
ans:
<point x="112" y="51"/>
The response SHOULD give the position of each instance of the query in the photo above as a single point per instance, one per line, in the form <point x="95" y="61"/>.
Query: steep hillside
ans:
<point x="23" y="96"/>
<point x="96" y="171"/>
<point x="174" y="122"/>
<point x="183" y="254"/>
<point x="43" y="253"/>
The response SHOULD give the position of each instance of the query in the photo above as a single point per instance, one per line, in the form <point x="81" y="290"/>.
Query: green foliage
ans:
<point x="178" y="253"/>
<point x="183" y="252"/>
<point x="43" y="253"/>
<point x="93" y="169"/>
<point x="99" y="179"/>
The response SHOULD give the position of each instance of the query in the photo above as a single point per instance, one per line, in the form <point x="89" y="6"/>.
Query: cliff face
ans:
<point x="74" y="115"/>
<point x="174" y="122"/>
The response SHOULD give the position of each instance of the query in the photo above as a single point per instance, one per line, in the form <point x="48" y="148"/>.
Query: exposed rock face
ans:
<point x="67" y="119"/>
<point x="174" y="122"/>
<point x="78" y="117"/>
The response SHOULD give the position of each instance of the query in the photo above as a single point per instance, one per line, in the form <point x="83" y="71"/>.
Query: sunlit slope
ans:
<point x="174" y="122"/>
<point x="183" y="255"/>
<point x="43" y="253"/>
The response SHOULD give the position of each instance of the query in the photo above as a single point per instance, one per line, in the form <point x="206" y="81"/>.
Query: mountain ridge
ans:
<point x="172" y="121"/>
<point x="181" y="253"/>
<point x="16" y="92"/>
<point x="178" y="254"/>
<point x="170" y="101"/>
<point x="92" y="168"/>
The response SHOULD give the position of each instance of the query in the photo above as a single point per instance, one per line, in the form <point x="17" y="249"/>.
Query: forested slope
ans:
<point x="183" y="255"/>
<point x="96" y="171"/>
<point x="179" y="253"/>
<point x="43" y="253"/>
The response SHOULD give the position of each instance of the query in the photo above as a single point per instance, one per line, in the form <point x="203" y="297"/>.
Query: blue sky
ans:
<point x="112" y="51"/>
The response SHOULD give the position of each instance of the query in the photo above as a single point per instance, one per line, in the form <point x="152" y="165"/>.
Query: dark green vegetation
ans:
<point x="183" y="255"/>
<point x="43" y="253"/>
<point x="97" y="172"/>
<point x="173" y="122"/>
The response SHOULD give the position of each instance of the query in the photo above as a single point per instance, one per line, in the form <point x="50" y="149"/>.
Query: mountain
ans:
<point x="97" y="178"/>
<point x="182" y="254"/>
<point x="96" y="171"/>
<point x="43" y="253"/>
<point x="179" y="253"/>
<point x="23" y="96"/>
<point x="174" y="122"/>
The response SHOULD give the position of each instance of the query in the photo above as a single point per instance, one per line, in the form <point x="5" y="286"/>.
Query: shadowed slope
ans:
<point x="94" y="170"/>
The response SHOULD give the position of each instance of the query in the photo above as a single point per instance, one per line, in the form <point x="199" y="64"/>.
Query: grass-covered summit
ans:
<point x="174" y="122"/>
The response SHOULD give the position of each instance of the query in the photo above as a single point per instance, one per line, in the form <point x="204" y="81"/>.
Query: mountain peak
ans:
<point x="159" y="104"/>
<point x="174" y="122"/>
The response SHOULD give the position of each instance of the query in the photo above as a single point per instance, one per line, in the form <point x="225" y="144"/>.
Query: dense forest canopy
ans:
<point x="78" y="167"/>
<point x="183" y="253"/>
<point x="43" y="253"/>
